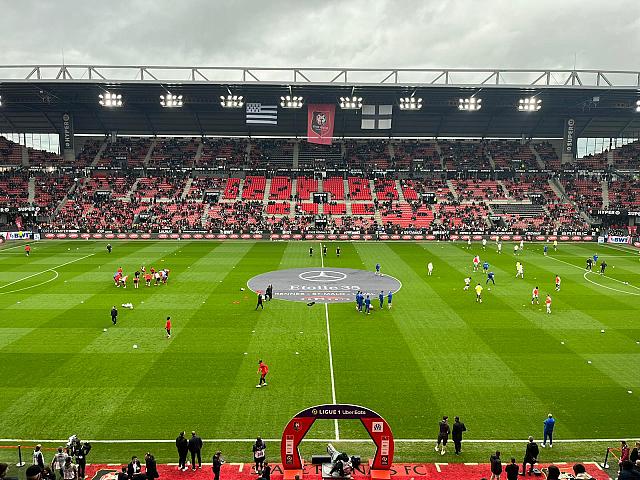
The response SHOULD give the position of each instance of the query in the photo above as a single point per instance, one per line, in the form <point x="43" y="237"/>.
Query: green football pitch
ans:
<point x="502" y="365"/>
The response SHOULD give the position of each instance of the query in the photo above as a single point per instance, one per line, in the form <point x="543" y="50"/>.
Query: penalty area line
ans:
<point x="52" y="269"/>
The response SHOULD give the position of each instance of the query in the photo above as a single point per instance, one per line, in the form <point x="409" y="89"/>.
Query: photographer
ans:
<point x="216" y="463"/>
<point x="259" y="454"/>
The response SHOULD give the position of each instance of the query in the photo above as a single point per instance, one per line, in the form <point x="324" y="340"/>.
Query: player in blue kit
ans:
<point x="389" y="299"/>
<point x="490" y="276"/>
<point x="378" y="269"/>
<point x="367" y="305"/>
<point x="485" y="267"/>
<point x="381" y="298"/>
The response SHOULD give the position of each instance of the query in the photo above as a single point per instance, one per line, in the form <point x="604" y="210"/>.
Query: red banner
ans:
<point x="320" y="119"/>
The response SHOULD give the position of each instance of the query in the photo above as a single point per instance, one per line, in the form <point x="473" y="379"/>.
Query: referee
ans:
<point x="114" y="315"/>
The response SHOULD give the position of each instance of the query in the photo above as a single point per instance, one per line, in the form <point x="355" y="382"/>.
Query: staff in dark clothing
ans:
<point x="266" y="471"/>
<point x="512" y="470"/>
<point x="134" y="467"/>
<point x="259" y="454"/>
<point x="496" y="466"/>
<point x="109" y="247"/>
<point x="268" y="294"/>
<point x="530" y="456"/>
<point x="456" y="434"/>
<point x="182" y="444"/>
<point x="260" y="302"/>
<point x="81" y="453"/>
<point x="216" y="463"/>
<point x="151" y="467"/>
<point x="324" y="250"/>
<point x="114" y="315"/>
<point x="443" y="435"/>
<point x="195" y="447"/>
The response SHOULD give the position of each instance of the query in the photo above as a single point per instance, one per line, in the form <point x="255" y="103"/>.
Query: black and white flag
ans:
<point x="260" y="114"/>
<point x="377" y="117"/>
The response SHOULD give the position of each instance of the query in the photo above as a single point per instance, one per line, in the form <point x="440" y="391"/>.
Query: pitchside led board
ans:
<point x="299" y="425"/>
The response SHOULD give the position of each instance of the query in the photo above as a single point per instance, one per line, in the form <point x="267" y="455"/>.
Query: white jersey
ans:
<point x="430" y="266"/>
<point x="484" y="242"/>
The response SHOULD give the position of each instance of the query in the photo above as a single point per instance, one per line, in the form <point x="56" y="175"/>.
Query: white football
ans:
<point x="135" y="346"/>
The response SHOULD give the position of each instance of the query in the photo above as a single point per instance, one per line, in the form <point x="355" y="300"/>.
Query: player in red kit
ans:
<point x="27" y="250"/>
<point x="167" y="327"/>
<point x="262" y="370"/>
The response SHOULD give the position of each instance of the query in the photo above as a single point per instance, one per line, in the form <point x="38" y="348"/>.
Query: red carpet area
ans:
<point x="401" y="471"/>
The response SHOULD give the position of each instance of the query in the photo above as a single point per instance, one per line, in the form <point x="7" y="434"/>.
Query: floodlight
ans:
<point x="350" y="103"/>
<point x="231" y="101"/>
<point x="637" y="106"/>
<point x="410" y="103"/>
<point x="170" y="100"/>
<point x="531" y="104"/>
<point x="291" y="102"/>
<point x="110" y="100"/>
<point x="470" y="104"/>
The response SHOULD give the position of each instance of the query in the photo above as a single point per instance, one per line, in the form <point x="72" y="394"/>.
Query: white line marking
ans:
<point x="17" y="246"/>
<point x="47" y="270"/>
<point x="609" y="288"/>
<point x="438" y="466"/>
<point x="323" y="440"/>
<point x="333" y="382"/>
<point x="32" y="286"/>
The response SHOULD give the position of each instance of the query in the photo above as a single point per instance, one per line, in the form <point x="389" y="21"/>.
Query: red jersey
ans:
<point x="118" y="277"/>
<point x="557" y="280"/>
<point x="119" y="269"/>
<point x="535" y="292"/>
<point x="548" y="301"/>
<point x="263" y="369"/>
<point x="27" y="248"/>
<point x="168" y="325"/>
<point x="147" y="277"/>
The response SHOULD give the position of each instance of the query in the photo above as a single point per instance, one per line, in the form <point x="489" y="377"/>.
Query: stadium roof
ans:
<point x="34" y="97"/>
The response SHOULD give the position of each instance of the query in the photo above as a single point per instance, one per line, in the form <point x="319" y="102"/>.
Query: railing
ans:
<point x="484" y="77"/>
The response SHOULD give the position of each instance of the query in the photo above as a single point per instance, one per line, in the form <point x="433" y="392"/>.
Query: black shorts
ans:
<point x="443" y="438"/>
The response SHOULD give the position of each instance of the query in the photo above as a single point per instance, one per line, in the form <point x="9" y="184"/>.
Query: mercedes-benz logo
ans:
<point x="322" y="276"/>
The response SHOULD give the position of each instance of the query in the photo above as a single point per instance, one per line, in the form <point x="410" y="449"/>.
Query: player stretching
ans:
<point x="476" y="262"/>
<point x="378" y="270"/>
<point x="467" y="283"/>
<point x="558" y="283"/>
<point x="430" y="268"/>
<point x="262" y="370"/>
<point x="535" y="296"/>
<point x="479" y="293"/>
<point x="548" y="303"/>
<point x="490" y="276"/>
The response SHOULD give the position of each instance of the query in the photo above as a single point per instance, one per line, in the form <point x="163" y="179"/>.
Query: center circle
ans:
<point x="324" y="285"/>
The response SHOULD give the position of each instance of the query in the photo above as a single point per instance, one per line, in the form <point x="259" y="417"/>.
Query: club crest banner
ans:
<point x="320" y="123"/>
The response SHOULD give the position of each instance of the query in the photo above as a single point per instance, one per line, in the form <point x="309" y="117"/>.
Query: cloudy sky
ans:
<point x="325" y="33"/>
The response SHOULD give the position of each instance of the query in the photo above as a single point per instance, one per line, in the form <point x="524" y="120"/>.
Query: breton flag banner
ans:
<point x="259" y="114"/>
<point x="320" y="118"/>
<point x="376" y="117"/>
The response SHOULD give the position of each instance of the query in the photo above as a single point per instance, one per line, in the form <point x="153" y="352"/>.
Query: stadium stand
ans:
<point x="10" y="153"/>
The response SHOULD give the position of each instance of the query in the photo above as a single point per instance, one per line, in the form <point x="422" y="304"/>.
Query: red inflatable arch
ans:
<point x="298" y="426"/>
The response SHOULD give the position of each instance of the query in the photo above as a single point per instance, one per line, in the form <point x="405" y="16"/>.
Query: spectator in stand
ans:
<point x="81" y="451"/>
<point x="70" y="471"/>
<point x="33" y="472"/>
<point x="182" y="444"/>
<point x="259" y="454"/>
<point x="122" y="474"/>
<point x="634" y="455"/>
<point x="195" y="447"/>
<point x="627" y="471"/>
<point x="48" y="474"/>
<point x="134" y="468"/>
<point x="38" y="457"/>
<point x="553" y="473"/>
<point x="624" y="453"/>
<point x="216" y="464"/>
<point x="580" y="472"/>
<point x="530" y="456"/>
<point x="151" y="467"/>
<point x="512" y="470"/>
<point x="4" y="468"/>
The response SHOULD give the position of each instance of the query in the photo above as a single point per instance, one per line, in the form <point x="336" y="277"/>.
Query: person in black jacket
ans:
<point x="134" y="468"/>
<point x="114" y="315"/>
<point x="216" y="463"/>
<point x="151" y="467"/>
<point x="496" y="466"/>
<point x="443" y="435"/>
<point x="182" y="444"/>
<point x="259" y="454"/>
<point x="456" y="434"/>
<point x="122" y="474"/>
<point x="530" y="456"/>
<point x="512" y="470"/>
<point x="634" y="456"/>
<point x="195" y="447"/>
<point x="266" y="471"/>
<point x="81" y="451"/>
